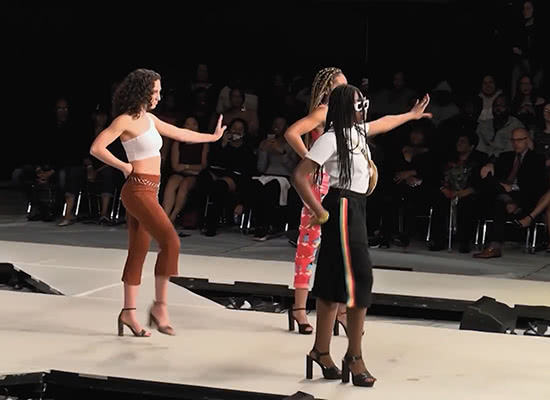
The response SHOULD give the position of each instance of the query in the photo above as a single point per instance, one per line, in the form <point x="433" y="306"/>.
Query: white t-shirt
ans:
<point x="324" y="152"/>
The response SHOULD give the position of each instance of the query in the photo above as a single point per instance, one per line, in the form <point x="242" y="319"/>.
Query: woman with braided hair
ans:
<point x="344" y="269"/>
<point x="309" y="238"/>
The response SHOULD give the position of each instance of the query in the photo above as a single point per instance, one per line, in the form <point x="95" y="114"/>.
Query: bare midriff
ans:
<point x="150" y="166"/>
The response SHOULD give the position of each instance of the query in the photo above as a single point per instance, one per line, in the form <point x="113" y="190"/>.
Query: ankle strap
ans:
<point x="529" y="215"/>
<point x="352" y="359"/>
<point x="162" y="303"/>
<point x="128" y="309"/>
<point x="299" y="309"/>
<point x="318" y="354"/>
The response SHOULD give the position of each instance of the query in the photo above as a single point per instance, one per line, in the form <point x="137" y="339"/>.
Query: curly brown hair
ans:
<point x="135" y="92"/>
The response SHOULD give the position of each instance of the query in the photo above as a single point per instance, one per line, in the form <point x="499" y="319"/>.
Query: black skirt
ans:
<point x="344" y="268"/>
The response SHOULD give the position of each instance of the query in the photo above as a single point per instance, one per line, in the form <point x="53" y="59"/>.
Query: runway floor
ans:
<point x="253" y="351"/>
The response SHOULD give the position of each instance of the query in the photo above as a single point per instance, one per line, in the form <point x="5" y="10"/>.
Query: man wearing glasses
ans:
<point x="512" y="185"/>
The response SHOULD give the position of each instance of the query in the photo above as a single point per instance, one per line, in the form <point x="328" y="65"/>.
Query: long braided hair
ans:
<point x="341" y="118"/>
<point x="320" y="91"/>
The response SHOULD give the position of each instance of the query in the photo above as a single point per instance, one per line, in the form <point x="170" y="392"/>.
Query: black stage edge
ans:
<point x="18" y="280"/>
<point x="60" y="385"/>
<point x="383" y="304"/>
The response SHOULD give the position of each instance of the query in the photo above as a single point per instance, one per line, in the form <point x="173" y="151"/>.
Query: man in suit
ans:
<point x="516" y="180"/>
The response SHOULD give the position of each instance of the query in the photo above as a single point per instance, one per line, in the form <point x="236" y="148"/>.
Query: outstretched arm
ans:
<point x="105" y="138"/>
<point x="294" y="133"/>
<point x="187" y="135"/>
<point x="390" y="122"/>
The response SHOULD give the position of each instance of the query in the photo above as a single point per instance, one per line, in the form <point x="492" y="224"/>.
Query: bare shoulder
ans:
<point x="122" y="121"/>
<point x="320" y="113"/>
<point x="152" y="116"/>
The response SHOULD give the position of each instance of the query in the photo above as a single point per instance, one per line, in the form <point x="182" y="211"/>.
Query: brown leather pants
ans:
<point x="145" y="218"/>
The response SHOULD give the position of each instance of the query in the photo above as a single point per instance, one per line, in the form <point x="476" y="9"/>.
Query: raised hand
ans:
<point x="218" y="133"/>
<point x="418" y="109"/>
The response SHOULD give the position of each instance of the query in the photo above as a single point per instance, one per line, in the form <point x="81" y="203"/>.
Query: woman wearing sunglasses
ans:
<point x="344" y="269"/>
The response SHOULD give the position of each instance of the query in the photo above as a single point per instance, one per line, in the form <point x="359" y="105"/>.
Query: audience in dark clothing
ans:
<point x="460" y="186"/>
<point x="515" y="181"/>
<point x="412" y="172"/>
<point x="231" y="165"/>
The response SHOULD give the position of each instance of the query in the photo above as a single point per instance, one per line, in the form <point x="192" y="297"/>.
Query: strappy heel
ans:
<point x="337" y="323"/>
<point x="332" y="373"/>
<point x="336" y="329"/>
<point x="364" y="378"/>
<point x="303" y="329"/>
<point x="167" y="329"/>
<point x="121" y="324"/>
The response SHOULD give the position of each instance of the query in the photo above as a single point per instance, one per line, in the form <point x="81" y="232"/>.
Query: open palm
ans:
<point x="419" y="108"/>
<point x="218" y="133"/>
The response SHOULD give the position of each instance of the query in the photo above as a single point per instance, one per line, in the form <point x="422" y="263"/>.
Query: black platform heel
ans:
<point x="303" y="329"/>
<point x="364" y="378"/>
<point x="332" y="373"/>
<point x="121" y="323"/>
<point x="167" y="329"/>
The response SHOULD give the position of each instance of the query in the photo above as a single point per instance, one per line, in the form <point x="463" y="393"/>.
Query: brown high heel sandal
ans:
<point x="167" y="329"/>
<point x="121" y="323"/>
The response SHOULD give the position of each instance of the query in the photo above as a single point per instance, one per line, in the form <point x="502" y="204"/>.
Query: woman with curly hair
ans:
<point x="140" y="133"/>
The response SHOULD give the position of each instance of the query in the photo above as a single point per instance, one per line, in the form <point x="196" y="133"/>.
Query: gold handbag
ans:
<point x="373" y="172"/>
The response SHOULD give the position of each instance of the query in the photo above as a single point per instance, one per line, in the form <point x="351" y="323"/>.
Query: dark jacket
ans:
<point x="531" y="177"/>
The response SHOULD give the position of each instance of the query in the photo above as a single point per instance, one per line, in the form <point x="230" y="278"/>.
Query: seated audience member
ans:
<point x="495" y="134"/>
<point x="528" y="46"/>
<point x="394" y="100"/>
<point x="238" y="110"/>
<point x="93" y="174"/>
<point x="542" y="138"/>
<point x="231" y="165"/>
<point x="513" y="184"/>
<point x="224" y="97"/>
<point x="488" y="94"/>
<point x="49" y="155"/>
<point x="527" y="106"/>
<point x="276" y="162"/>
<point x="201" y="108"/>
<point x="442" y="105"/>
<point x="187" y="162"/>
<point x="274" y="98"/>
<point x="202" y="79"/>
<point x="542" y="206"/>
<point x="460" y="183"/>
<point x="412" y="171"/>
<point x="449" y="130"/>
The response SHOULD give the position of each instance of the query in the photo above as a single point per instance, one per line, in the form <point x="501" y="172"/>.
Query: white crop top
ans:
<point x="324" y="152"/>
<point x="144" y="146"/>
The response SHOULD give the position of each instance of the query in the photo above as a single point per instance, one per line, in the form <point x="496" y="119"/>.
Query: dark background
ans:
<point x="79" y="52"/>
